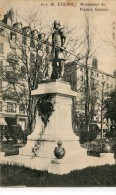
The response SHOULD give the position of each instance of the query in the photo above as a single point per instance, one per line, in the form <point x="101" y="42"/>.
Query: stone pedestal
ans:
<point x="58" y="128"/>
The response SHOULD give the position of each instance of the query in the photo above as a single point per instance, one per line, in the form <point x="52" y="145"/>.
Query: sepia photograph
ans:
<point x="58" y="94"/>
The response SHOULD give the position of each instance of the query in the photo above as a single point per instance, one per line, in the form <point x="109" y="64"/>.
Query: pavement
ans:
<point x="44" y="163"/>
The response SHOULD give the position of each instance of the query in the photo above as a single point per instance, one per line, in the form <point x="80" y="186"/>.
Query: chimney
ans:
<point x="9" y="18"/>
<point x="94" y="63"/>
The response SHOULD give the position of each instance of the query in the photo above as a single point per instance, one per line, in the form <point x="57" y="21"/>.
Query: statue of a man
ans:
<point x="58" y="52"/>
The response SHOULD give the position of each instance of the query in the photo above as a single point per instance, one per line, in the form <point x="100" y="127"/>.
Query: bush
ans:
<point x="92" y="135"/>
<point x="86" y="136"/>
<point x="110" y="134"/>
<point x="11" y="152"/>
<point x="114" y="148"/>
<point x="13" y="132"/>
<point x="83" y="135"/>
<point x="93" y="153"/>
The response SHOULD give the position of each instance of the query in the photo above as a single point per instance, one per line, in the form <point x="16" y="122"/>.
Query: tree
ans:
<point x="26" y="65"/>
<point x="88" y="53"/>
<point x="28" y="61"/>
<point x="110" y="105"/>
<point x="83" y="83"/>
<point x="100" y="91"/>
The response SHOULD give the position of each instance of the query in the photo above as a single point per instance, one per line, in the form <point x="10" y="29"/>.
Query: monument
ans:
<point x="53" y="143"/>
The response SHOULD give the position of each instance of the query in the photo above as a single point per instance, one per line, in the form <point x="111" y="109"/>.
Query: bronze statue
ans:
<point x="58" y="53"/>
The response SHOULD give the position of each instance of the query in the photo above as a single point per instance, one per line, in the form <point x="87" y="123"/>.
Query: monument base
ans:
<point x="59" y="166"/>
<point x="46" y="159"/>
<point x="58" y="128"/>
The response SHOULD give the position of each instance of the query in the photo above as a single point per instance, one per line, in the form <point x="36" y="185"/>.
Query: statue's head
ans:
<point x="11" y="14"/>
<point x="56" y="24"/>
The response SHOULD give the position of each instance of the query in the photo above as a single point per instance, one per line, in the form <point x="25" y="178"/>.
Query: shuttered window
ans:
<point x="0" y="85"/>
<point x="1" y="48"/>
<point x="1" y="68"/>
<point x="0" y="106"/>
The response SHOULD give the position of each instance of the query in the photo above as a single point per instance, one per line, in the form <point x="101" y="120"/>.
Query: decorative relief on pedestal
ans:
<point x="45" y="108"/>
<point x="35" y="149"/>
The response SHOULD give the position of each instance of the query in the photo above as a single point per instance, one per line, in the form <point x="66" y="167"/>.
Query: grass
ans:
<point x="100" y="176"/>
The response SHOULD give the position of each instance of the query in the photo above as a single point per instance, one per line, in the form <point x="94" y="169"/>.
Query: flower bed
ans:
<point x="11" y="152"/>
<point x="93" y="153"/>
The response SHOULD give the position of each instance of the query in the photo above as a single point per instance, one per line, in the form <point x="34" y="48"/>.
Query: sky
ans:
<point x="102" y="22"/>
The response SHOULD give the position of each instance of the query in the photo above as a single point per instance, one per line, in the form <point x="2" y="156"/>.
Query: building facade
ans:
<point x="11" y="108"/>
<point x="23" y="62"/>
<point x="100" y="85"/>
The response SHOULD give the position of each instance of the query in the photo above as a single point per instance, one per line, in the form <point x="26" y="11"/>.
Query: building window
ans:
<point x="0" y="106"/>
<point x="22" y="123"/>
<point x="92" y="83"/>
<point x="107" y="86"/>
<point x="97" y="83"/>
<point x="97" y="94"/>
<point x="11" y="107"/>
<point x="0" y="85"/>
<point x="24" y="55"/>
<point x="24" y="40"/>
<point x="97" y="74"/>
<point x="13" y="37"/>
<point x="1" y="48"/>
<point x="81" y="69"/>
<point x="92" y="73"/>
<point x="2" y="31"/>
<point x="1" y="68"/>
<point x="21" y="108"/>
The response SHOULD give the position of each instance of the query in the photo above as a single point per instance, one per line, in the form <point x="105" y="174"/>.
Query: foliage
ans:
<point x="11" y="77"/>
<point x="13" y="132"/>
<point x="86" y="136"/>
<point x="95" y="146"/>
<point x="9" y="148"/>
<point x="45" y="108"/>
<point x="110" y="105"/>
<point x="93" y="153"/>
<point x="11" y="152"/>
<point x="92" y="135"/>
<point x="26" y="64"/>
<point x="114" y="148"/>
<point x="112" y="133"/>
<point x="99" y="146"/>
<point x="100" y="176"/>
<point x="83" y="136"/>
